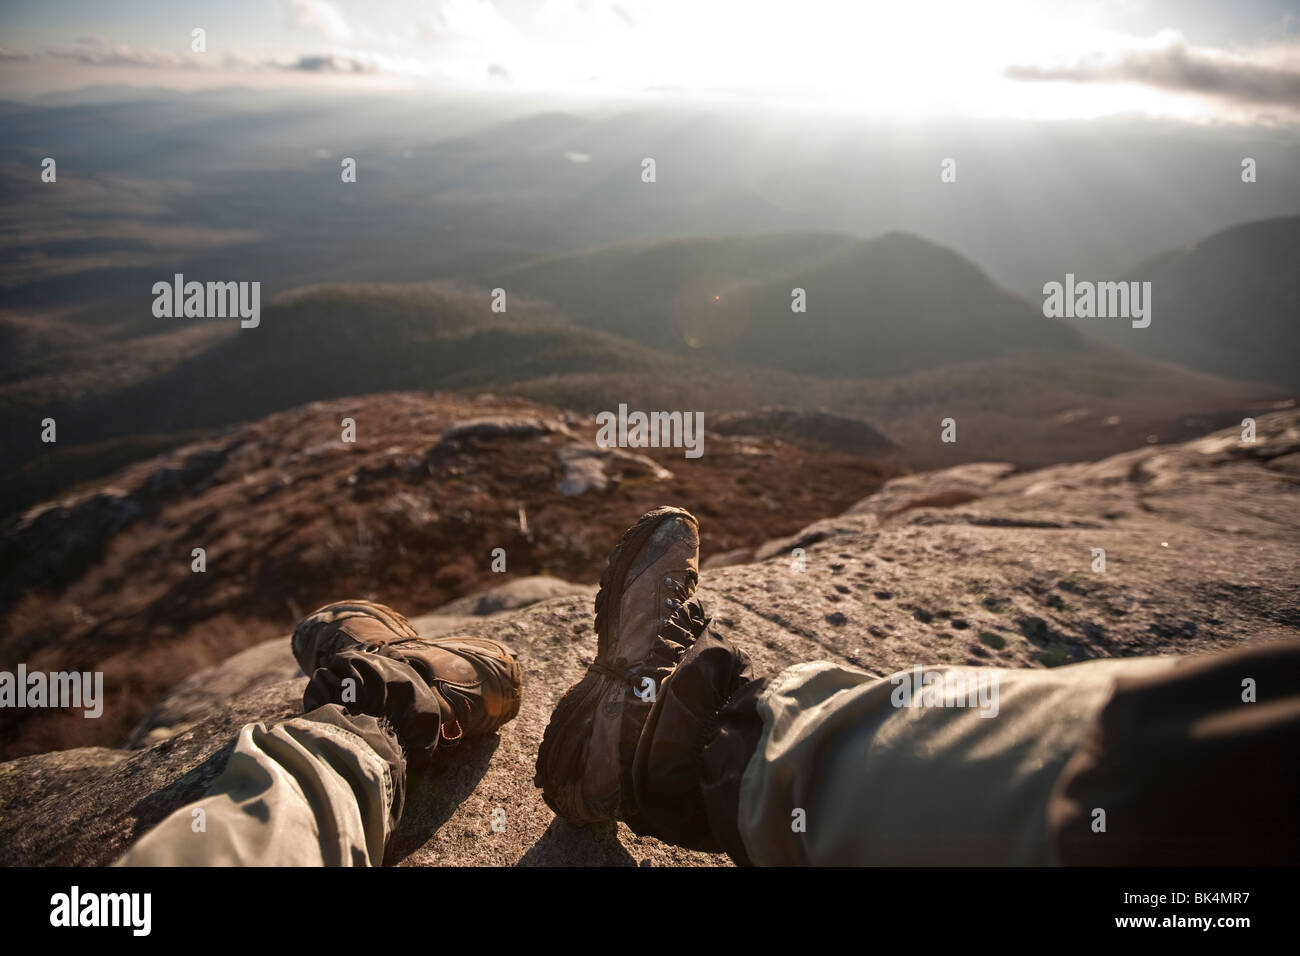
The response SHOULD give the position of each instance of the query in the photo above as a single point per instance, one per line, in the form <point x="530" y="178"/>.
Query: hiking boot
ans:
<point x="476" y="681"/>
<point x="646" y="618"/>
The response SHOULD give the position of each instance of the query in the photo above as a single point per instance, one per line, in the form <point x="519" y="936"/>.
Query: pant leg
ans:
<point x="821" y="764"/>
<point x="844" y="775"/>
<point x="1193" y="766"/>
<point x="322" y="789"/>
<point x="1145" y="761"/>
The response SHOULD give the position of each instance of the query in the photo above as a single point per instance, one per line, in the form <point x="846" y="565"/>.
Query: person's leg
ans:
<point x="1195" y="765"/>
<point x="670" y="732"/>
<point x="844" y="769"/>
<point x="824" y="764"/>
<point x="327" y="787"/>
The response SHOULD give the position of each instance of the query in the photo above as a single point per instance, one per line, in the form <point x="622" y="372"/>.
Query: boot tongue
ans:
<point x="690" y="618"/>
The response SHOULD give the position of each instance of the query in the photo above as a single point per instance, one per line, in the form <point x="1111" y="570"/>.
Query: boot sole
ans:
<point x="612" y="578"/>
<point x="340" y="610"/>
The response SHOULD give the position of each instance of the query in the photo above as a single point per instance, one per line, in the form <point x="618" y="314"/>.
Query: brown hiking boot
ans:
<point x="478" y="681"/>
<point x="646" y="618"/>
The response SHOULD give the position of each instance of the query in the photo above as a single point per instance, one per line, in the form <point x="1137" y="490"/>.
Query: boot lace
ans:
<point x="677" y="632"/>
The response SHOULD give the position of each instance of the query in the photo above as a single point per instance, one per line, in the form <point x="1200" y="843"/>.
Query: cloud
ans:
<point x="327" y="63"/>
<point x="319" y="16"/>
<point x="99" y="52"/>
<point x="1171" y="64"/>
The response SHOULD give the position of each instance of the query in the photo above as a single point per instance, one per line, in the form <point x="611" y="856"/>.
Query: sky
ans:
<point x="1197" y="60"/>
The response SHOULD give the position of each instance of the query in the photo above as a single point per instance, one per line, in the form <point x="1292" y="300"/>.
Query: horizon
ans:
<point x="944" y="60"/>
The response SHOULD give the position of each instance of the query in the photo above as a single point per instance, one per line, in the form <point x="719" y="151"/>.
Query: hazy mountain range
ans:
<point x="668" y="295"/>
<point x="1229" y="304"/>
<point x="243" y="184"/>
<point x="899" y="332"/>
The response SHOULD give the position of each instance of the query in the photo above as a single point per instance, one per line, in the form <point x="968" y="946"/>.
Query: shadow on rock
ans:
<point x="435" y="787"/>
<point x="566" y="845"/>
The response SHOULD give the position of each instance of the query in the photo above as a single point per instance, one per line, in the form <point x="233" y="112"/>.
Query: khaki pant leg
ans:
<point x="303" y="793"/>
<point x="884" y="784"/>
